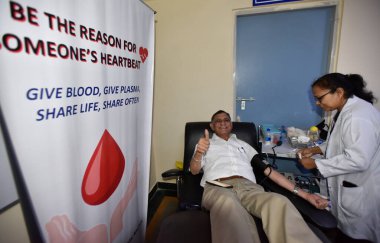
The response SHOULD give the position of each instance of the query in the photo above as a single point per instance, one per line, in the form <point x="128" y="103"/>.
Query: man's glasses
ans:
<point x="220" y="121"/>
<point x="319" y="99"/>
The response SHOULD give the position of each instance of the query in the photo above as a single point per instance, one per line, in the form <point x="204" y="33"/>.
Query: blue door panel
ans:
<point x="278" y="56"/>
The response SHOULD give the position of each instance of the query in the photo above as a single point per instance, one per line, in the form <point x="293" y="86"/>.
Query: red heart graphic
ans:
<point x="103" y="172"/>
<point x="143" y="53"/>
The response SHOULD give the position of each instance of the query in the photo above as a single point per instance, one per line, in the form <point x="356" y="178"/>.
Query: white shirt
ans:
<point x="353" y="154"/>
<point x="227" y="158"/>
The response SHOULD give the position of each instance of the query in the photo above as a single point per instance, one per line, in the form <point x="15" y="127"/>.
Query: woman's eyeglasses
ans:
<point x="319" y="99"/>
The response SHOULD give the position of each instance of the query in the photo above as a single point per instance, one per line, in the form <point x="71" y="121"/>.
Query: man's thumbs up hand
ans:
<point x="202" y="147"/>
<point x="204" y="143"/>
<point x="207" y="136"/>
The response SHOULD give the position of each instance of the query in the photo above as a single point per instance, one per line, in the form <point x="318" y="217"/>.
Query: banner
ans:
<point x="76" y="86"/>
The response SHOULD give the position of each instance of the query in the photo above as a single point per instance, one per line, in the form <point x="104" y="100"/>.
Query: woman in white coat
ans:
<point x="351" y="152"/>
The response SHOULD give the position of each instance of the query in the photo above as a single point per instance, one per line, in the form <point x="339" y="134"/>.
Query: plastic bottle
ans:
<point x="268" y="138"/>
<point x="313" y="134"/>
<point x="283" y="136"/>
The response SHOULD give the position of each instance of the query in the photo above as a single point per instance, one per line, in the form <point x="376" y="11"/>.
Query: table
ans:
<point x="282" y="151"/>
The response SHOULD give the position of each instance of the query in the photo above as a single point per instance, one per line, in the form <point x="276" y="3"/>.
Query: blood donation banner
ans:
<point x="76" y="86"/>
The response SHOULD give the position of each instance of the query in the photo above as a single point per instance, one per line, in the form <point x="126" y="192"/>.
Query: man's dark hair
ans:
<point x="220" y="112"/>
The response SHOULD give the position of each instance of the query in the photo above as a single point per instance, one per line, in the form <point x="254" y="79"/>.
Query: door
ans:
<point x="278" y="56"/>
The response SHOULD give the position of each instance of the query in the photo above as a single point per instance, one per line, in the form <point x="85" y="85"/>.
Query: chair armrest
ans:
<point x="321" y="218"/>
<point x="172" y="173"/>
<point x="191" y="191"/>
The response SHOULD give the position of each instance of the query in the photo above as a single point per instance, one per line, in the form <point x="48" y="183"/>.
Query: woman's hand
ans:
<point x="305" y="153"/>
<point x="308" y="163"/>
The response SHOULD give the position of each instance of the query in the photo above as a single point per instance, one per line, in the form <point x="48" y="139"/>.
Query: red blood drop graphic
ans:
<point x="104" y="171"/>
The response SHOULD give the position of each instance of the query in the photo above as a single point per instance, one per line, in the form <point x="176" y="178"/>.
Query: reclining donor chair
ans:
<point x="192" y="223"/>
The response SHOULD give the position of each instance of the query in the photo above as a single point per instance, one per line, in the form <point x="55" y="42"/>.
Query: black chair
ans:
<point x="192" y="224"/>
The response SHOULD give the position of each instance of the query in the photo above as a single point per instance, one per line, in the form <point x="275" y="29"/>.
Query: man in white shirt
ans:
<point x="227" y="159"/>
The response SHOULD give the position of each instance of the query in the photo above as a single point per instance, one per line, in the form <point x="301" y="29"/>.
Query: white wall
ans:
<point x="359" y="50"/>
<point x="12" y="226"/>
<point x="193" y="70"/>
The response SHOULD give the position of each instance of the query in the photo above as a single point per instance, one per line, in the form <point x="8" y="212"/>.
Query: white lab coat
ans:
<point x="352" y="153"/>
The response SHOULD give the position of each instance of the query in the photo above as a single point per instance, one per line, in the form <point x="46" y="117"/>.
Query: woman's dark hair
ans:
<point x="352" y="84"/>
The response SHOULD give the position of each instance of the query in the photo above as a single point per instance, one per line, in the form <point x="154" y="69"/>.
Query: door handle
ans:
<point x="243" y="100"/>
